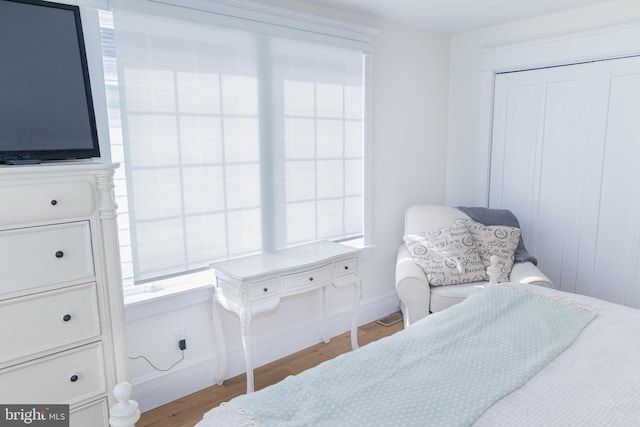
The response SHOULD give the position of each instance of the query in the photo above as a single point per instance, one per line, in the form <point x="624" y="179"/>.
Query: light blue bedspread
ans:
<point x="445" y="370"/>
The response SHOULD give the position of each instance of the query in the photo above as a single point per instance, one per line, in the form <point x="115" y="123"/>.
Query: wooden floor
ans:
<point x="188" y="410"/>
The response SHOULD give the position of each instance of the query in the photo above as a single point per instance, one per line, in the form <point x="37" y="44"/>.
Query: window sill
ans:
<point x="141" y="304"/>
<point x="366" y="250"/>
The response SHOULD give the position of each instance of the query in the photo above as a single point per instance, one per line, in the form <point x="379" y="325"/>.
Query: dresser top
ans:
<point x="284" y="259"/>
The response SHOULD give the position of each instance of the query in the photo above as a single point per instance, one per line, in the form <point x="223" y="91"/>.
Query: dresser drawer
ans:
<point x="23" y="204"/>
<point x="95" y="414"/>
<point x="38" y="256"/>
<point x="308" y="278"/>
<point x="68" y="377"/>
<point x="48" y="320"/>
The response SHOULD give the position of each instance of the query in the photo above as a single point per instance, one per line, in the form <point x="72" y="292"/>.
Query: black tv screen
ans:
<point x="46" y="108"/>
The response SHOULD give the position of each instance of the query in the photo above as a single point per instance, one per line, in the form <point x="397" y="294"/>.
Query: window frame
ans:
<point x="315" y="26"/>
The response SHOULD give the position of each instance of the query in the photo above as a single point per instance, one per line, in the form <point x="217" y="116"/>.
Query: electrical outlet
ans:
<point x="178" y="335"/>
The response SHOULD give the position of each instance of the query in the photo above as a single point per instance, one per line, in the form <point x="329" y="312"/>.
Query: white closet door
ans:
<point x="615" y="249"/>
<point x="538" y="146"/>
<point x="566" y="145"/>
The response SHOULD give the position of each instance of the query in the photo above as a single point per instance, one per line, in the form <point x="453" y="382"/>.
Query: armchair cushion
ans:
<point x="447" y="255"/>
<point x="498" y="240"/>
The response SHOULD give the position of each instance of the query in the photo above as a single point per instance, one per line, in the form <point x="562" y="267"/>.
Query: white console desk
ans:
<point x="255" y="284"/>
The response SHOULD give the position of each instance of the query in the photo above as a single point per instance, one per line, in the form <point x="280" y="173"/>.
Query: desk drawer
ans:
<point x="68" y="377"/>
<point x="263" y="289"/>
<point x="48" y="320"/>
<point x="308" y="278"/>
<point x="39" y="256"/>
<point x="346" y="266"/>
<point x="23" y="204"/>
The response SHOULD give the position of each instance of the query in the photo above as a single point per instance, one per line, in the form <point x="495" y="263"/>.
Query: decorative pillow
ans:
<point x="499" y="240"/>
<point x="448" y="255"/>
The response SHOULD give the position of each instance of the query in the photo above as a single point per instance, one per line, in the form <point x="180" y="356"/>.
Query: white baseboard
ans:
<point x="153" y="390"/>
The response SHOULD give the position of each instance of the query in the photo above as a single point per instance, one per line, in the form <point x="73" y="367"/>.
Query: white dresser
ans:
<point x="255" y="284"/>
<point x="62" y="336"/>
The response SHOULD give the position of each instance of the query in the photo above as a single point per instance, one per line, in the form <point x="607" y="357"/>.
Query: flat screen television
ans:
<point x="46" y="107"/>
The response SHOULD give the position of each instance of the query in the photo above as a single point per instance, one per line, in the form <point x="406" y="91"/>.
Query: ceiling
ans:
<point x="454" y="16"/>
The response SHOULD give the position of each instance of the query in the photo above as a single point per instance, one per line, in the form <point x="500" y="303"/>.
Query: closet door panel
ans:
<point x="514" y="144"/>
<point x="617" y="251"/>
<point x="562" y="145"/>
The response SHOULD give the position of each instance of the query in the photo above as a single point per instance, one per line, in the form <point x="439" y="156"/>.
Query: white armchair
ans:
<point x="417" y="297"/>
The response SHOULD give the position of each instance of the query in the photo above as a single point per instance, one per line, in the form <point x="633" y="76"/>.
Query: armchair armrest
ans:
<point x="526" y="272"/>
<point x="412" y="287"/>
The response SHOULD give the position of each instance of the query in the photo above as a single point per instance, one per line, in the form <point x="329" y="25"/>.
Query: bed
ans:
<point x="508" y="355"/>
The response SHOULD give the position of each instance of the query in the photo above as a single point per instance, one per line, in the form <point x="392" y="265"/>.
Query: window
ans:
<point x="233" y="142"/>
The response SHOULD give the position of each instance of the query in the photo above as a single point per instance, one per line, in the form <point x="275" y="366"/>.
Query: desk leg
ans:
<point x="218" y="336"/>
<point x="245" y="327"/>
<point x="356" y="314"/>
<point x="325" y="323"/>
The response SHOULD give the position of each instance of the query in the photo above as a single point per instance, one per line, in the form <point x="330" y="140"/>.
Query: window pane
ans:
<point x="299" y="98"/>
<point x="245" y="230"/>
<point x="330" y="216"/>
<point x="241" y="140"/>
<point x="353" y="177"/>
<point x="301" y="222"/>
<point x="300" y="137"/>
<point x="330" y="138"/>
<point x="198" y="92"/>
<point x="156" y="246"/>
<point x="203" y="189"/>
<point x="300" y="180"/>
<point x="330" y="178"/>
<point x="201" y="139"/>
<point x="239" y="95"/>
<point x="149" y="90"/>
<point x="329" y="102"/>
<point x="152" y="140"/>
<point x="243" y="186"/>
<point x="353" y="215"/>
<point x="353" y="139"/>
<point x="156" y="193"/>
<point x="206" y="238"/>
<point x="353" y="102"/>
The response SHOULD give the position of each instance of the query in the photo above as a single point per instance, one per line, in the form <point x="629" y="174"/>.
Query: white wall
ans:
<point x="468" y="148"/>
<point x="411" y="79"/>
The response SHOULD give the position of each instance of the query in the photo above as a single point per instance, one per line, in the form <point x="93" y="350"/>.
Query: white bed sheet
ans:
<point x="595" y="382"/>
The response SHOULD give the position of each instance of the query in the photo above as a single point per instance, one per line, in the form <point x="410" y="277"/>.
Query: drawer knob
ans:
<point x="346" y="267"/>
<point x="311" y="279"/>
<point x="66" y="317"/>
<point x="265" y="289"/>
<point x="59" y="254"/>
<point x="73" y="378"/>
<point x="54" y="202"/>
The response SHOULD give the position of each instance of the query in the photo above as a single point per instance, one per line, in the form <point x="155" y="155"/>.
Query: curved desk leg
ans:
<point x="325" y="323"/>
<point x="218" y="335"/>
<point x="356" y="314"/>
<point x="245" y="328"/>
